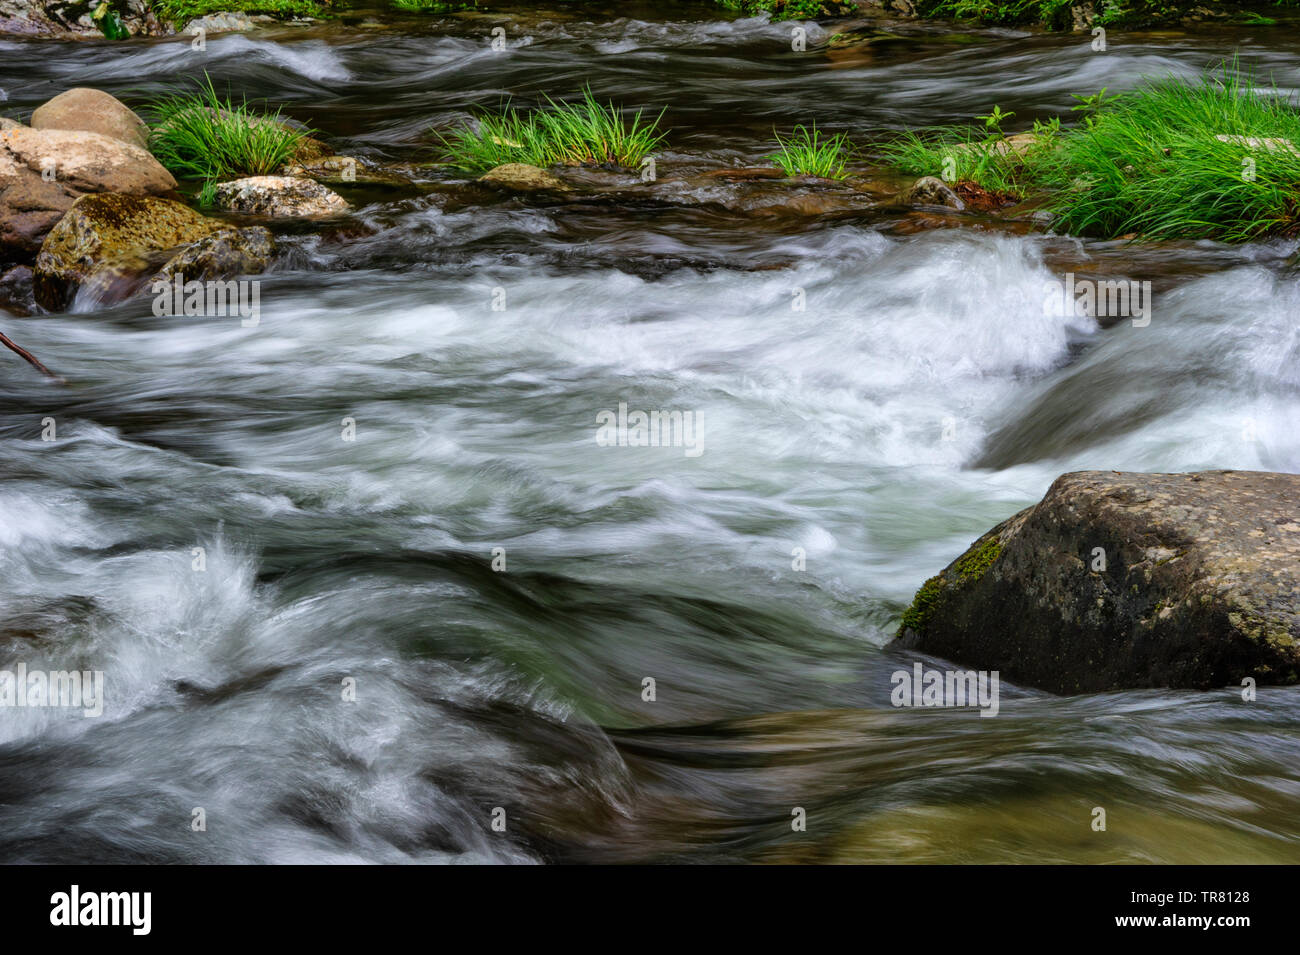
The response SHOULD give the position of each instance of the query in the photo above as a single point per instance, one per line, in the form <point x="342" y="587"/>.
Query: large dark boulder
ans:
<point x="1121" y="580"/>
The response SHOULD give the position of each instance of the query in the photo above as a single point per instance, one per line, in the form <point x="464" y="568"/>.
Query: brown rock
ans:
<point x="43" y="171"/>
<point x="106" y="242"/>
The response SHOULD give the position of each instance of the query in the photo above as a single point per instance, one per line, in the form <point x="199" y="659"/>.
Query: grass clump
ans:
<point x="197" y="134"/>
<point x="1213" y="158"/>
<point x="1218" y="159"/>
<point x="183" y="11"/>
<point x="809" y="153"/>
<point x="581" y="133"/>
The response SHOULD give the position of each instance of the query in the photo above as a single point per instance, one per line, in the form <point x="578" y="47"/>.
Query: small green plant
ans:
<point x="962" y="154"/>
<point x="573" y="134"/>
<point x="809" y="153"/>
<point x="109" y="23"/>
<point x="1090" y="105"/>
<point x="198" y="134"/>
<point x="993" y="121"/>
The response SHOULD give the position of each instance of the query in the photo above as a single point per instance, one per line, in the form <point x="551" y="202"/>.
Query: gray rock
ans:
<point x="1119" y="580"/>
<point x="221" y="23"/>
<point x="281" y="197"/>
<point x="223" y="254"/>
<point x="930" y="191"/>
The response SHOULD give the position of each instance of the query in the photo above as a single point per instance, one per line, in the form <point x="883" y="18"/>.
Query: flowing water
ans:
<point x="922" y="395"/>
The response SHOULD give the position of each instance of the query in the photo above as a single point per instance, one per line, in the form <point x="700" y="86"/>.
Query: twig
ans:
<point x="29" y="357"/>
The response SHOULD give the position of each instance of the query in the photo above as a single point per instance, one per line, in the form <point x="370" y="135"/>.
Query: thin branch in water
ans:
<point x="29" y="357"/>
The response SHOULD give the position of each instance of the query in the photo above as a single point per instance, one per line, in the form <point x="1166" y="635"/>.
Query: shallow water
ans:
<point x="922" y="395"/>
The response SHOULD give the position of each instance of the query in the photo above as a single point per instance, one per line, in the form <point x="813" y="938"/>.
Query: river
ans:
<point x="849" y="450"/>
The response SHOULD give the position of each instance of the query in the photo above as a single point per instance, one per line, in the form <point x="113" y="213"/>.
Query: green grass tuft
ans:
<point x="809" y="153"/>
<point x="1214" y="159"/>
<point x="582" y="133"/>
<point x="198" y="134"/>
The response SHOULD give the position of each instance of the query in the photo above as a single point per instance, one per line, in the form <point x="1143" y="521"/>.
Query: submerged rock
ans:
<point x="346" y="171"/>
<point x="109" y="244"/>
<point x="1118" y="580"/>
<point x="280" y="197"/>
<point x="222" y="254"/>
<point x="93" y="111"/>
<point x="44" y="171"/>
<point x="521" y="177"/>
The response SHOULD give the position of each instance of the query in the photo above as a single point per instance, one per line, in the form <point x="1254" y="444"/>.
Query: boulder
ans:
<point x="521" y="177"/>
<point x="44" y="171"/>
<point x="1117" y="580"/>
<point x="280" y="196"/>
<point x="93" y="111"/>
<point x="107" y="242"/>
<point x="220" y="23"/>
<point x="930" y="191"/>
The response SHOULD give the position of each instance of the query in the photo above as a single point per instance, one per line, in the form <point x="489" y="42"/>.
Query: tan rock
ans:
<point x="43" y="171"/>
<point x="93" y="111"/>
<point x="281" y="197"/>
<point x="521" y="177"/>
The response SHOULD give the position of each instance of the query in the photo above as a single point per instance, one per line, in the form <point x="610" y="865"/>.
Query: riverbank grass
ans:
<point x="181" y="12"/>
<point x="581" y="133"/>
<point x="809" y="152"/>
<point x="1217" y="157"/>
<point x="199" y="134"/>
